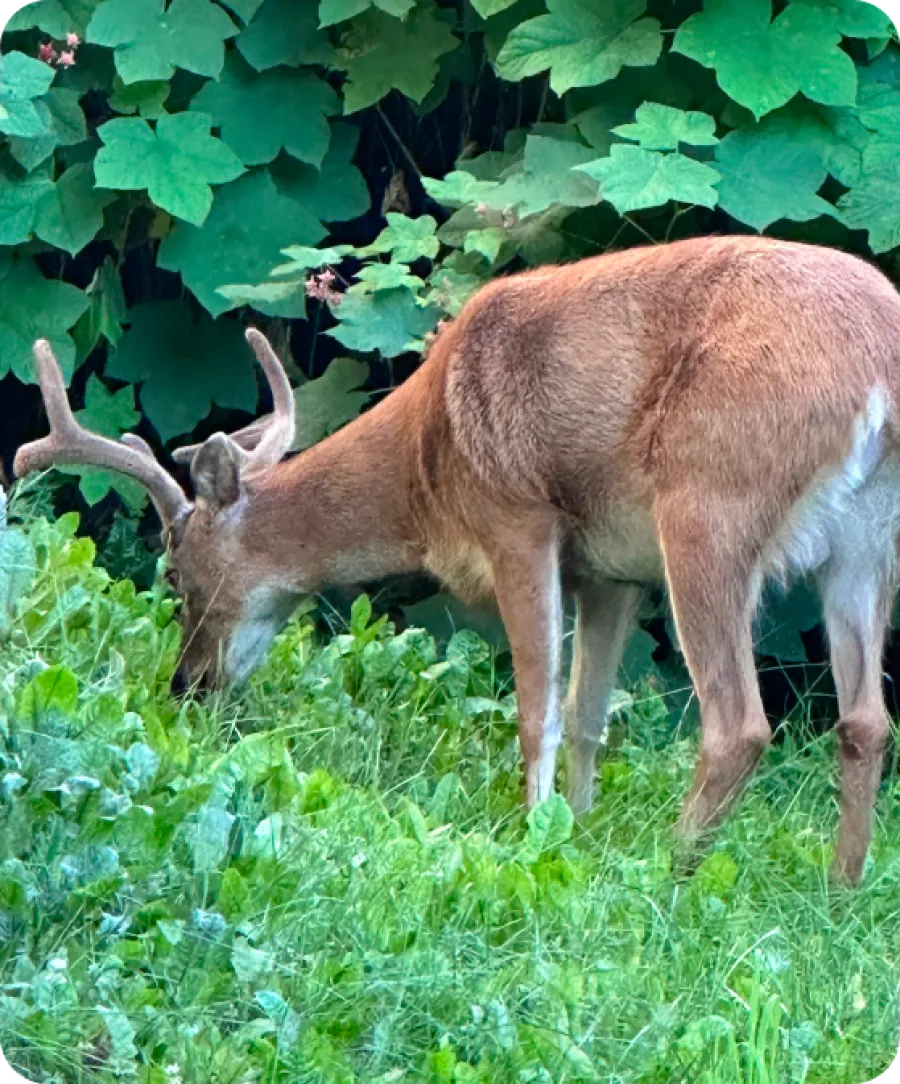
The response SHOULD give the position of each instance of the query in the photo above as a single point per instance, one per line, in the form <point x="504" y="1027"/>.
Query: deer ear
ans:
<point x="216" y="473"/>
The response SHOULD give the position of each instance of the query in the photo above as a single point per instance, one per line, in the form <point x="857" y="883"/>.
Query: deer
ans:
<point x="708" y="415"/>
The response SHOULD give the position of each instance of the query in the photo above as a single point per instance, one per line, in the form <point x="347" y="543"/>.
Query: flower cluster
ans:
<point x="321" y="286"/>
<point x="63" y="57"/>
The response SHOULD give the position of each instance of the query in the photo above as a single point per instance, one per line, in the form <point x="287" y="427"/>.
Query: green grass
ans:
<point x="330" y="878"/>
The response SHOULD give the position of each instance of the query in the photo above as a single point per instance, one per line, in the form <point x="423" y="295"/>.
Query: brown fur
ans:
<point x="652" y="414"/>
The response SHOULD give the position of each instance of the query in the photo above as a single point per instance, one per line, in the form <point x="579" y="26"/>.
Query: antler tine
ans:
<point x="278" y="435"/>
<point x="70" y="444"/>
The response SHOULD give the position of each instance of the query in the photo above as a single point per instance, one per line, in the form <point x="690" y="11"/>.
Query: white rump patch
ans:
<point x="819" y="518"/>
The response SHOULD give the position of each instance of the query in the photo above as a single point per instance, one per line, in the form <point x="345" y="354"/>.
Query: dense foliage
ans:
<point x="330" y="879"/>
<point x="347" y="172"/>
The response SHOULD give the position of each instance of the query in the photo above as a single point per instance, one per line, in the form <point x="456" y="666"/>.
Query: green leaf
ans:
<point x="853" y="18"/>
<point x="151" y="41"/>
<point x="332" y="400"/>
<point x="581" y="43"/>
<point x="32" y="307"/>
<point x="407" y="239"/>
<point x="19" y="197"/>
<point x="304" y="258"/>
<point x="871" y="204"/>
<point x="285" y="32"/>
<point x="110" y="414"/>
<point x="767" y="176"/>
<point x="54" y="17"/>
<point x="385" y="276"/>
<point x="632" y="178"/>
<point x="185" y="365"/>
<point x="244" y="9"/>
<point x="338" y="11"/>
<point x="176" y="162"/>
<point x="50" y="694"/>
<point x="148" y="99"/>
<point x="335" y="193"/>
<point x="286" y="1021"/>
<point x="66" y="127"/>
<point x="458" y="188"/>
<point x="487" y="8"/>
<point x="389" y="321"/>
<point x="241" y="241"/>
<point x="550" y="823"/>
<point x="70" y="213"/>
<point x="661" y="128"/>
<point x="385" y="54"/>
<point x="22" y="79"/>
<point x="261" y="114"/>
<point x="763" y="64"/>
<point x="548" y="177"/>
<point x="107" y="311"/>
<point x="486" y="242"/>
<point x="836" y="135"/>
<point x="17" y="570"/>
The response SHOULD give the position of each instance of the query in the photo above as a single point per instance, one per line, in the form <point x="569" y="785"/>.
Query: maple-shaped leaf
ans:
<point x="338" y="11"/>
<point x="547" y="177"/>
<point x="406" y="239"/>
<point x="767" y="176"/>
<point x="762" y="64"/>
<point x="337" y="191"/>
<point x="22" y="79"/>
<point x="659" y="127"/>
<point x="176" y="162"/>
<point x="389" y="321"/>
<point x="66" y="127"/>
<point x="146" y="99"/>
<point x="261" y="114"/>
<point x="32" y="307"/>
<point x="385" y="54"/>
<point x="285" y="32"/>
<point x="69" y="213"/>
<point x="581" y="43"/>
<point x="854" y="18"/>
<point x="632" y="178"/>
<point x="241" y="241"/>
<point x="110" y="414"/>
<point x="183" y="365"/>
<point x="55" y="17"/>
<point x="871" y="204"/>
<point x="330" y="401"/>
<point x="152" y="40"/>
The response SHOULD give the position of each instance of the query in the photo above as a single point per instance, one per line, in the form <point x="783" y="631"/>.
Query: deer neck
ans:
<point x="343" y="512"/>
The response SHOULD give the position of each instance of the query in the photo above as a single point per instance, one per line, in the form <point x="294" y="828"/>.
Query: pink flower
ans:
<point x="72" y="40"/>
<point x="47" y="53"/>
<point x="67" y="59"/>
<point x="321" y="287"/>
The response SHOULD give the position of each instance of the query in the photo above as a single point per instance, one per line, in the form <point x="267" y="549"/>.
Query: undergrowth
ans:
<point x="329" y="877"/>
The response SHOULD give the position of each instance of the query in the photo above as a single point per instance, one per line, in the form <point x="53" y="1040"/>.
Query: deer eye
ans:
<point x="172" y="578"/>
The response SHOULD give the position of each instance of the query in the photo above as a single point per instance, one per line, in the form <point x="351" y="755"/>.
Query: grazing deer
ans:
<point x="706" y="414"/>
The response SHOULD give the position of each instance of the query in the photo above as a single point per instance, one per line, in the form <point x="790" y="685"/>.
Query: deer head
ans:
<point x="232" y="607"/>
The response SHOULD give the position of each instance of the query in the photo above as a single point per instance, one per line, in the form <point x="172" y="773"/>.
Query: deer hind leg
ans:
<point x="526" y="573"/>
<point x="712" y="571"/>
<point x="605" y="618"/>
<point x="857" y="588"/>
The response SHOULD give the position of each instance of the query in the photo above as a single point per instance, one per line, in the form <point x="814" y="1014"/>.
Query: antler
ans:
<point x="70" y="444"/>
<point x="266" y="441"/>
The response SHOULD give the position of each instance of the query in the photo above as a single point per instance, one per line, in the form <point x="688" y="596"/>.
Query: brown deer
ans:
<point x="706" y="414"/>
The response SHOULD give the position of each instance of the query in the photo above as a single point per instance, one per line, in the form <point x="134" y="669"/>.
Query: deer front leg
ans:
<point x="529" y="595"/>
